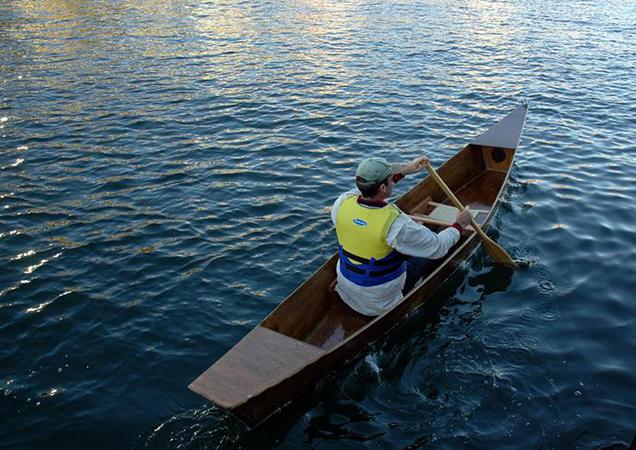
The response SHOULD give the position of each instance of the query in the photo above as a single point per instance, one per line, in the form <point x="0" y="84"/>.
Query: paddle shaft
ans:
<point x="447" y="191"/>
<point x="495" y="251"/>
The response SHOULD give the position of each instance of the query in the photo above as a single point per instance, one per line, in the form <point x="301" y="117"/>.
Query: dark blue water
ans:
<point x="166" y="170"/>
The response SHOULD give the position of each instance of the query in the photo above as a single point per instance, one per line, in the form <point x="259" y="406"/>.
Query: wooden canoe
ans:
<point x="312" y="333"/>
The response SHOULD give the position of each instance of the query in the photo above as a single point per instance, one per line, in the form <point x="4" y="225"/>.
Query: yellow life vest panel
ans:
<point x="362" y="231"/>
<point x="365" y="257"/>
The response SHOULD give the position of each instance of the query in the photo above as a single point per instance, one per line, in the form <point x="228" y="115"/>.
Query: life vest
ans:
<point x="365" y="257"/>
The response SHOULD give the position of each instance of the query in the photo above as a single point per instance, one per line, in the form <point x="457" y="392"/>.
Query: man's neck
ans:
<point x="372" y="201"/>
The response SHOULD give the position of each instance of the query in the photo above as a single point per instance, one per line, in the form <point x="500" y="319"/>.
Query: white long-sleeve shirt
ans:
<point x="408" y="238"/>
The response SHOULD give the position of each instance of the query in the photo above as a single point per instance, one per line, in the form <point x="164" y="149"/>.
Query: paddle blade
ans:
<point x="498" y="254"/>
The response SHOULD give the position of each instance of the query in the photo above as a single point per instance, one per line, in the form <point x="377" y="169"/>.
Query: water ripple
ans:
<point x="166" y="176"/>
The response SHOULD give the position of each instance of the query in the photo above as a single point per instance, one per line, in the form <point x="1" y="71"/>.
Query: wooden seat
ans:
<point x="447" y="213"/>
<point x="444" y="215"/>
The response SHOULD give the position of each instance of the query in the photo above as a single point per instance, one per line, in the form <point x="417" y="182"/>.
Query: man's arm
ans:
<point x="415" y="166"/>
<point x="413" y="239"/>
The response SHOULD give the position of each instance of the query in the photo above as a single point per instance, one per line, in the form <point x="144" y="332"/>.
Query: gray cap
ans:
<point x="376" y="169"/>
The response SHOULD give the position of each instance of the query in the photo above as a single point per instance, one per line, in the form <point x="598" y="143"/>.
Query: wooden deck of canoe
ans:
<point x="312" y="332"/>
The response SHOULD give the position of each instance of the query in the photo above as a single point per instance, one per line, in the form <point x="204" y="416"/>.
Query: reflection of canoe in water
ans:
<point x="312" y="333"/>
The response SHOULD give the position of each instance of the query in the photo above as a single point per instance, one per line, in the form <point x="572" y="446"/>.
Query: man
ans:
<point x="375" y="239"/>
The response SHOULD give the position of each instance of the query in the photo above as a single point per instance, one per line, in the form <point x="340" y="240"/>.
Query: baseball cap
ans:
<point x="376" y="169"/>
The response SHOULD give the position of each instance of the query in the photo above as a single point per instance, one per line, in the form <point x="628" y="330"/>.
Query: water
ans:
<point x="166" y="169"/>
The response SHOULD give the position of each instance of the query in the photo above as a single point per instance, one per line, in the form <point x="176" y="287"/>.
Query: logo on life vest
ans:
<point x="360" y="222"/>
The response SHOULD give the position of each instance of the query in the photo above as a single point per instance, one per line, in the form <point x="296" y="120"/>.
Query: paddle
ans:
<point x="497" y="253"/>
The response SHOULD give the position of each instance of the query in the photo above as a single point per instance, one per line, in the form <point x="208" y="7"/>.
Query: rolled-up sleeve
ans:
<point x="411" y="238"/>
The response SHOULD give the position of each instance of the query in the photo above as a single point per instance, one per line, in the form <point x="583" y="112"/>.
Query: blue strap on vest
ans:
<point x="371" y="272"/>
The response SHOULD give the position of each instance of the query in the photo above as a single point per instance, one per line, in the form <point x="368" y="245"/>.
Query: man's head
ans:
<point x="375" y="175"/>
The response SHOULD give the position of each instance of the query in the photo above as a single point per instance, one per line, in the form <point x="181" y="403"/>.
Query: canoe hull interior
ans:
<point x="312" y="333"/>
<point x="260" y="408"/>
<point x="305" y="314"/>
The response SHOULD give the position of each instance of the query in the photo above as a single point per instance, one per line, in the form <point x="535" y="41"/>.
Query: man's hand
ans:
<point x="417" y="165"/>
<point x="463" y="217"/>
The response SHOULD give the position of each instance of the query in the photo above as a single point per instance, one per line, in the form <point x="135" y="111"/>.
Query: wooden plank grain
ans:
<point x="260" y="360"/>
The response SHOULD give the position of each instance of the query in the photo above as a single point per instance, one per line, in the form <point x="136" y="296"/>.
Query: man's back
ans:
<point x="376" y="240"/>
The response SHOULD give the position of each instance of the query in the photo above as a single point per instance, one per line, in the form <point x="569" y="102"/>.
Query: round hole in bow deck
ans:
<point x="498" y="155"/>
